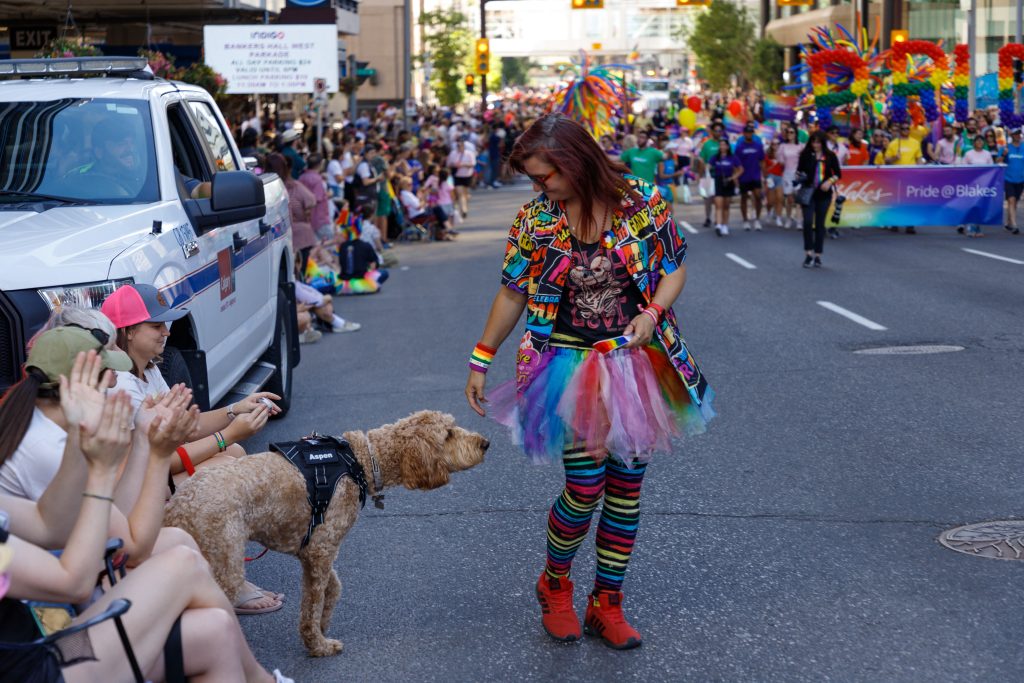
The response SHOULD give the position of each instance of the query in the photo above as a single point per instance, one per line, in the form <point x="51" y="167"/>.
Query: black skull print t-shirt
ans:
<point x="599" y="299"/>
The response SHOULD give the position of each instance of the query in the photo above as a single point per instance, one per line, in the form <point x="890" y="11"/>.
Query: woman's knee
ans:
<point x="186" y="563"/>
<point x="171" y="536"/>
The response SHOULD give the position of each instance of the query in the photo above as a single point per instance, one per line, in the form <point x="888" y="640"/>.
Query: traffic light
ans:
<point x="795" y="3"/>
<point x="588" y="4"/>
<point x="469" y="83"/>
<point x="899" y="36"/>
<point x="693" y="3"/>
<point x="483" y="56"/>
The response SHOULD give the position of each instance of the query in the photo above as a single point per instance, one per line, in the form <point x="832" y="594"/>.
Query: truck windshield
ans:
<point x="653" y="86"/>
<point x="82" y="150"/>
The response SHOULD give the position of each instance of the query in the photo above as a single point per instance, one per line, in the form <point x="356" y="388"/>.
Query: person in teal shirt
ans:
<point x="643" y="160"/>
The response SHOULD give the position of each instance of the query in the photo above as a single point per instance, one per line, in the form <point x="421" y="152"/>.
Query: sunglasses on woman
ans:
<point x="541" y="181"/>
<point x="100" y="336"/>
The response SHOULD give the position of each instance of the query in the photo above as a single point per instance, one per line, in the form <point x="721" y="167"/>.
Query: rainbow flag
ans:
<point x="734" y="124"/>
<point x="779" y="107"/>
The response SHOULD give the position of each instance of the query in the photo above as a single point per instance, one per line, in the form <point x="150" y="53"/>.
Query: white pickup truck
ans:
<point x="96" y="178"/>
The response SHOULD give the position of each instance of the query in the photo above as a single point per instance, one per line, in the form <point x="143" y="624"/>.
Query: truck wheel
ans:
<point x="174" y="368"/>
<point x="280" y="354"/>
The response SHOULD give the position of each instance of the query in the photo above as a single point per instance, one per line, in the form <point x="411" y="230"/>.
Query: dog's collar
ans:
<point x="378" y="483"/>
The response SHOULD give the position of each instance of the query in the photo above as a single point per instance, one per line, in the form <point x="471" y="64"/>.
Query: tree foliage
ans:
<point x="515" y="70"/>
<point x="448" y="45"/>
<point x="768" y="64"/>
<point x="722" y="39"/>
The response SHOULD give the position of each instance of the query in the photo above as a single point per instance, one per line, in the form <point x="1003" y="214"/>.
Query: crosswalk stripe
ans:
<point x="743" y="262"/>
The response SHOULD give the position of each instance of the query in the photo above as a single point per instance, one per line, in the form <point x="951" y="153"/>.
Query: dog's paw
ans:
<point x="326" y="648"/>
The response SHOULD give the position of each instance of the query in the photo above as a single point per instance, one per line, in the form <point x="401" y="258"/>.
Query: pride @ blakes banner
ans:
<point x="880" y="196"/>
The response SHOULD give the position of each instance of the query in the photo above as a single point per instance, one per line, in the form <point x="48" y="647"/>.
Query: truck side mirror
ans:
<point x="235" y="196"/>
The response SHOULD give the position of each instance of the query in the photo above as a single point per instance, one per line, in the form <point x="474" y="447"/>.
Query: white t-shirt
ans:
<point x="364" y="170"/>
<point x="138" y="389"/>
<point x="463" y="162"/>
<point x="334" y="170"/>
<point x="35" y="462"/>
<point x="975" y="157"/>
<point x="413" y="205"/>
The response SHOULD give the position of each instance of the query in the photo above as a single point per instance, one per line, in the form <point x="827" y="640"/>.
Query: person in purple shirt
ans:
<point x="750" y="153"/>
<point x="726" y="170"/>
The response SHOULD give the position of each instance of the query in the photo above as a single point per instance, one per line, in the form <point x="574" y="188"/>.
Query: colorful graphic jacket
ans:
<point x="537" y="260"/>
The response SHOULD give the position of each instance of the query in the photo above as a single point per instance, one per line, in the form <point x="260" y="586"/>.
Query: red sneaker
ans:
<point x="559" y="618"/>
<point x="604" y="618"/>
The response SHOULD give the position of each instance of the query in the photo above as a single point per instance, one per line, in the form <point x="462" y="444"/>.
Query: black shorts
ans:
<point x="724" y="188"/>
<point x="749" y="186"/>
<point x="1013" y="190"/>
<point x="463" y="181"/>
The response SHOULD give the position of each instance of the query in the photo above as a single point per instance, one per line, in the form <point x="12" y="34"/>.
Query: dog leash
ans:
<point x="264" y="552"/>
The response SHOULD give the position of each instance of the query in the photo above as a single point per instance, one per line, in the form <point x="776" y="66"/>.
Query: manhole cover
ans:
<point x="998" y="540"/>
<point x="911" y="350"/>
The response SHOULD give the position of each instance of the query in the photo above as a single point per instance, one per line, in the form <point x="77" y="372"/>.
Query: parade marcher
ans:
<point x="594" y="256"/>
<point x="1013" y="178"/>
<point x="726" y="170"/>
<point x="944" y="150"/>
<point x="904" y="150"/>
<point x="708" y="150"/>
<point x="858" y="149"/>
<point x="773" y="183"/>
<point x="979" y="156"/>
<point x="819" y="167"/>
<point x="789" y="156"/>
<point x="643" y="159"/>
<point x="750" y="151"/>
<point x="461" y="162"/>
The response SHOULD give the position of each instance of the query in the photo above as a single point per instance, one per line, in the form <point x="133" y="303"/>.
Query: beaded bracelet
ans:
<point x="221" y="443"/>
<point x="481" y="358"/>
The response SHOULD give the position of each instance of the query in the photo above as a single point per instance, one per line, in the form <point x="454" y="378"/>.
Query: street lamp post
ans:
<point x="483" y="79"/>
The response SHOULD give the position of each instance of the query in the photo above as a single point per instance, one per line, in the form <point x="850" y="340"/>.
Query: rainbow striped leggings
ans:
<point x="586" y="483"/>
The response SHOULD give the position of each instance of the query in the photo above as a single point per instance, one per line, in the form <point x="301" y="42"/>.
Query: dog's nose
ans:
<point x="485" y="445"/>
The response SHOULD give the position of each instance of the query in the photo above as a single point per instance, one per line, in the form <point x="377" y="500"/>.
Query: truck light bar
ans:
<point x="113" y="66"/>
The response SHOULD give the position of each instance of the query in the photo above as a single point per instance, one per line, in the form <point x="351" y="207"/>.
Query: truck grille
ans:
<point x="10" y="358"/>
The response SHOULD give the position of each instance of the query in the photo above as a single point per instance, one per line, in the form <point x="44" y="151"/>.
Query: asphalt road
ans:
<point x="796" y="541"/>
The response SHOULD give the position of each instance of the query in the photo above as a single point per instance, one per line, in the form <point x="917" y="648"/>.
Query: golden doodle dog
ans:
<point x="263" y="497"/>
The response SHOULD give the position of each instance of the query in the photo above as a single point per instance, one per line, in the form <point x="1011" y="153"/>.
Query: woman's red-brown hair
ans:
<point x="566" y="145"/>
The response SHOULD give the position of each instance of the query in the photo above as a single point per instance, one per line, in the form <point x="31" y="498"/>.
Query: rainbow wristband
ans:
<point x="222" y="445"/>
<point x="481" y="358"/>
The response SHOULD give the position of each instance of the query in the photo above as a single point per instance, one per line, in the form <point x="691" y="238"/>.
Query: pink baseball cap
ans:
<point x="139" y="303"/>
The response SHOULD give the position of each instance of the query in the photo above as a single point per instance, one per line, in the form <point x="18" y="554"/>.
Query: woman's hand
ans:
<point x="642" y="329"/>
<point x="166" y="433"/>
<point x="475" y="392"/>
<point x="248" y="424"/>
<point x="254" y="401"/>
<point x="166" y="405"/>
<point x="106" y="445"/>
<point x="81" y="394"/>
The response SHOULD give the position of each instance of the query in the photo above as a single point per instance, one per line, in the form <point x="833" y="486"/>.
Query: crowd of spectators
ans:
<point x="355" y="187"/>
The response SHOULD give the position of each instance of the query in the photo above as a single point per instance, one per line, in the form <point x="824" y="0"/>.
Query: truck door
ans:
<point x="233" y="303"/>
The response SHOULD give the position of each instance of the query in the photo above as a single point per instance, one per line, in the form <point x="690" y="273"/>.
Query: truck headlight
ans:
<point x="88" y="295"/>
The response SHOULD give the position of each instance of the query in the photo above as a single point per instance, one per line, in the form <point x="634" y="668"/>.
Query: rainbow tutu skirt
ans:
<point x="629" y="403"/>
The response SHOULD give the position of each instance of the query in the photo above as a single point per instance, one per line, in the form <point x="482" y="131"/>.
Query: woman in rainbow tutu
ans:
<point x="603" y="377"/>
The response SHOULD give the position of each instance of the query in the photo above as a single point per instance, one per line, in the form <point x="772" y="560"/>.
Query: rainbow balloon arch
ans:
<point x="915" y="80"/>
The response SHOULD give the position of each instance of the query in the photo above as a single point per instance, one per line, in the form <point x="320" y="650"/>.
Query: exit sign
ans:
<point x="31" y="37"/>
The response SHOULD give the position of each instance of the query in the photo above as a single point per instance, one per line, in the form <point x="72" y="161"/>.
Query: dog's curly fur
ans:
<point x="262" y="497"/>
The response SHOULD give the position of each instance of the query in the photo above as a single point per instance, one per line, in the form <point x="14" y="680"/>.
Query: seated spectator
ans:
<point x="322" y="308"/>
<point x="141" y="317"/>
<point x="419" y="213"/>
<point x="171" y="593"/>
<point x="440" y="192"/>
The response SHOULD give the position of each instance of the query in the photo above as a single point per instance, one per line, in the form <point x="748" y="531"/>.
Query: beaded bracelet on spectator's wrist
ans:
<point x="481" y="358"/>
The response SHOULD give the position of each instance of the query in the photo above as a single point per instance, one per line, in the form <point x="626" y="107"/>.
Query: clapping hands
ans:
<point x="81" y="395"/>
<point x="106" y="445"/>
<point x="172" y="426"/>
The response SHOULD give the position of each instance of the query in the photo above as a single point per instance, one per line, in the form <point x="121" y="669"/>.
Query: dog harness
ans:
<point x="323" y="461"/>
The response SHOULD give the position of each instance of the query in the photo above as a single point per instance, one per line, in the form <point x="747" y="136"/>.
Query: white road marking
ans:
<point x="859" y="319"/>
<point x="743" y="262"/>
<point x="688" y="228"/>
<point x="995" y="256"/>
